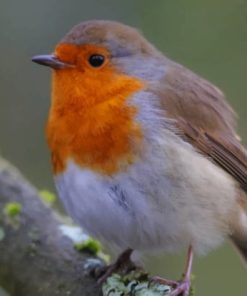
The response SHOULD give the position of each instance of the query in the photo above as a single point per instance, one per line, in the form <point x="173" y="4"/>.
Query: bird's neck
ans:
<point x="96" y="132"/>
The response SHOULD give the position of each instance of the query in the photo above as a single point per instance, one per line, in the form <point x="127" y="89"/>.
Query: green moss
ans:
<point x="105" y="257"/>
<point x="47" y="197"/>
<point x="12" y="209"/>
<point x="91" y="245"/>
<point x="135" y="283"/>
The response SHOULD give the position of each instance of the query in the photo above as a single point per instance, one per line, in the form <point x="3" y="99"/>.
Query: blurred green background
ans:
<point x="210" y="37"/>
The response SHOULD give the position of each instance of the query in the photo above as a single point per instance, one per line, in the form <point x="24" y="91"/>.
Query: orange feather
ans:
<point x="91" y="120"/>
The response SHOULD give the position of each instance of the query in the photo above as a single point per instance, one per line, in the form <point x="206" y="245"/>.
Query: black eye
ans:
<point x="96" y="60"/>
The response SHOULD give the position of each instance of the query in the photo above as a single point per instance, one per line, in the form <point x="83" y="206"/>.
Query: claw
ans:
<point x="183" y="289"/>
<point x="123" y="260"/>
<point x="180" y="288"/>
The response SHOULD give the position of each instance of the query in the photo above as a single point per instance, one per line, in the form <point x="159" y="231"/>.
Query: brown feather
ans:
<point x="204" y="119"/>
<point x="226" y="153"/>
<point x="186" y="95"/>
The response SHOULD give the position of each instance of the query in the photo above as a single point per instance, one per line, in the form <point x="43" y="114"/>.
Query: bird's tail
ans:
<point x="241" y="247"/>
<point x="239" y="236"/>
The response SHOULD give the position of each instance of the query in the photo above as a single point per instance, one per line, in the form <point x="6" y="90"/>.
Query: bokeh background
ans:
<point x="210" y="37"/>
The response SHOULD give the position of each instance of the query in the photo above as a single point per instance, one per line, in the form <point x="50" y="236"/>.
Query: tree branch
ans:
<point x="35" y="257"/>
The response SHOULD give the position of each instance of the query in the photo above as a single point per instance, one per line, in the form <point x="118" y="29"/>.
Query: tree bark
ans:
<point x="35" y="257"/>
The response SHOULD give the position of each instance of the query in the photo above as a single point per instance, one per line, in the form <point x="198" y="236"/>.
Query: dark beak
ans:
<point x="50" y="60"/>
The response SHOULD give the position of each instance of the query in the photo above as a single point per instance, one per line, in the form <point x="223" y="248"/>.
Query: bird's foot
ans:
<point x="182" y="288"/>
<point x="122" y="262"/>
<point x="179" y="288"/>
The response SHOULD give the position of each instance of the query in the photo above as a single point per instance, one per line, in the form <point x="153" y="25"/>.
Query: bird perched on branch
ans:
<point x="144" y="152"/>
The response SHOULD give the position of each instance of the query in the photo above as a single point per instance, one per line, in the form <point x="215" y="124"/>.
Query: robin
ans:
<point x="144" y="152"/>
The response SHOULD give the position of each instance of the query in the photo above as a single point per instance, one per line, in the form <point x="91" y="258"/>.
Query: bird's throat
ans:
<point x="93" y="126"/>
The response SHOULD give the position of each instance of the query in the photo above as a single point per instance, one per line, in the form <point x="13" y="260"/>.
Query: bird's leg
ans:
<point x="122" y="260"/>
<point x="181" y="287"/>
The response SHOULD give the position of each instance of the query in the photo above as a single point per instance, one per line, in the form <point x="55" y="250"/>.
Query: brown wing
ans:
<point x="204" y="119"/>
<point x="229" y="155"/>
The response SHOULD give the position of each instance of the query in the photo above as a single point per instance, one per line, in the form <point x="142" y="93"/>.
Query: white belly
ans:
<point x="172" y="198"/>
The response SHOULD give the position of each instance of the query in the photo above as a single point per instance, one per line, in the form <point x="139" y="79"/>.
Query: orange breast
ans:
<point x="92" y="120"/>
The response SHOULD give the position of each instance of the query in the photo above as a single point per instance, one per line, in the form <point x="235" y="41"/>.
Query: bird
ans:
<point x="145" y="152"/>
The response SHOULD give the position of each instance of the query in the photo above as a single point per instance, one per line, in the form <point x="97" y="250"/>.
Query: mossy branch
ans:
<point x="35" y="257"/>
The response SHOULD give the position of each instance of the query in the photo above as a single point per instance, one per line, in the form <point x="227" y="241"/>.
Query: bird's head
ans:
<point x="98" y="68"/>
<point x="100" y="49"/>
